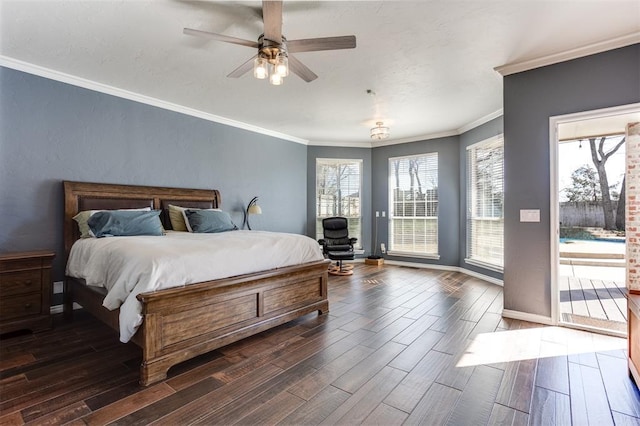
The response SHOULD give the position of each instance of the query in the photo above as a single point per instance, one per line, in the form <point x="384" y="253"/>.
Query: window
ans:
<point x="413" y="201"/>
<point x="485" y="212"/>
<point x="338" y="193"/>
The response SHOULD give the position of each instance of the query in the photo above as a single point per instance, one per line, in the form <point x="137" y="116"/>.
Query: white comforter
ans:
<point x="127" y="266"/>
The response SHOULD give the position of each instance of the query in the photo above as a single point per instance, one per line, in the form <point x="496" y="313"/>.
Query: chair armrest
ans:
<point x="322" y="242"/>
<point x="352" y="241"/>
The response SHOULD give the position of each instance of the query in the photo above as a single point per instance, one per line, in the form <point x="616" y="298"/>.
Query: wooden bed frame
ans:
<point x="182" y="323"/>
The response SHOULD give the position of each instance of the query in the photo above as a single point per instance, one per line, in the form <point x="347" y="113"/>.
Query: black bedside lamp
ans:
<point x="252" y="208"/>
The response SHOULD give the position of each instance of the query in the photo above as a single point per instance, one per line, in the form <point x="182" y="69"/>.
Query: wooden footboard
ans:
<point x="182" y="323"/>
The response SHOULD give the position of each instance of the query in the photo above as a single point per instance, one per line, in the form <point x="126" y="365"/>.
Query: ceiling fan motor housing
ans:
<point x="270" y="49"/>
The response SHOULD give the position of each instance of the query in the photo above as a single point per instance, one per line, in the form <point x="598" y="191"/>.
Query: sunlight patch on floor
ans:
<point x="531" y="343"/>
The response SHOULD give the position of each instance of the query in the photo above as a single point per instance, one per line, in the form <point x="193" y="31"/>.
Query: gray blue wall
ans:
<point x="478" y="134"/>
<point x="530" y="98"/>
<point x="51" y="131"/>
<point x="448" y="193"/>
<point x="364" y="154"/>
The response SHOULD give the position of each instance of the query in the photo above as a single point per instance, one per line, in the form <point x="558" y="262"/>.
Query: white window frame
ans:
<point x="428" y="239"/>
<point x="485" y="250"/>
<point x="353" y="203"/>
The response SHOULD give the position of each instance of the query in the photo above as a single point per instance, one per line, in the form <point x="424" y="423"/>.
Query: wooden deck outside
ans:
<point x="592" y="284"/>
<point x="593" y="302"/>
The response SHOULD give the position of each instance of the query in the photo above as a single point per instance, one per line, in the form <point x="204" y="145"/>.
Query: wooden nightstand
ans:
<point x="25" y="290"/>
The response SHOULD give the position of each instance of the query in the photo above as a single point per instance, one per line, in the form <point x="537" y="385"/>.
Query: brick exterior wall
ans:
<point x="633" y="207"/>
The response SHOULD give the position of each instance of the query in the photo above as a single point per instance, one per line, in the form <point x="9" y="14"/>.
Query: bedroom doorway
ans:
<point x="588" y="219"/>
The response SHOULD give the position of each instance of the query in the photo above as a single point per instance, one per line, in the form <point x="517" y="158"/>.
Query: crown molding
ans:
<point x="340" y="144"/>
<point x="29" y="68"/>
<point x="389" y="142"/>
<point x="480" y="121"/>
<point x="568" y="55"/>
<point x="385" y="142"/>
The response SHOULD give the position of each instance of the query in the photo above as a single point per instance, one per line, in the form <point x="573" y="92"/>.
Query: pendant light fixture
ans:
<point x="379" y="132"/>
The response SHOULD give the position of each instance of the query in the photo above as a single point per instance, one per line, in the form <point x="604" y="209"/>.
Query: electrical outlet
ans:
<point x="383" y="249"/>
<point x="384" y="214"/>
<point x="377" y="214"/>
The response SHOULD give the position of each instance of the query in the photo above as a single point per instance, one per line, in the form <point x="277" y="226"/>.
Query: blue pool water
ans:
<point x="604" y="240"/>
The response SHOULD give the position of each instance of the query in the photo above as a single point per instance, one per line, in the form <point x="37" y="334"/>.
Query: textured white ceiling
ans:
<point x="430" y="63"/>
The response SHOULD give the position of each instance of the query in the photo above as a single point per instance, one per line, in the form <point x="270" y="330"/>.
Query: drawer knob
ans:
<point x="27" y="305"/>
<point x="28" y="282"/>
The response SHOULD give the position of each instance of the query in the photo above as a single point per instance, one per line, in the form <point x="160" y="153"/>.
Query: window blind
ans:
<point x="338" y="193"/>
<point x="485" y="204"/>
<point x="413" y="205"/>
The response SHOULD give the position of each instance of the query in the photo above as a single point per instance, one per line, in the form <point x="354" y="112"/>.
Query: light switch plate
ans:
<point x="529" y="215"/>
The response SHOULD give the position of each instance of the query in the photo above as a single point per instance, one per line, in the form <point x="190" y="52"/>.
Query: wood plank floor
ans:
<point x="399" y="346"/>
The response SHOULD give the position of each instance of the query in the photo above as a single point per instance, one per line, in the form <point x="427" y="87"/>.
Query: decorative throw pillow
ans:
<point x="82" y="218"/>
<point x="209" y="221"/>
<point x="119" y="223"/>
<point x="178" y="219"/>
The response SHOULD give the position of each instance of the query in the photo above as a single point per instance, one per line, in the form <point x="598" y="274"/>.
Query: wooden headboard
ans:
<point x="80" y="196"/>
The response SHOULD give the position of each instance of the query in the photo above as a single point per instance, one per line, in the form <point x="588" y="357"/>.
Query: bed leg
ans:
<point x="67" y="302"/>
<point x="324" y="309"/>
<point x="150" y="374"/>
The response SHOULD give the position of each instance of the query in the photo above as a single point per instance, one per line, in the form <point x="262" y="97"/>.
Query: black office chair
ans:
<point x="337" y="245"/>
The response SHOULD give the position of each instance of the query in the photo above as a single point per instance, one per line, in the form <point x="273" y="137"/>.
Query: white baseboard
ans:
<point x="525" y="316"/>
<point x="478" y="275"/>
<point x="474" y="274"/>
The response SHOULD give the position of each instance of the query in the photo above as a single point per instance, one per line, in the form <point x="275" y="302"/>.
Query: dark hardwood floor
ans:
<point x="399" y="346"/>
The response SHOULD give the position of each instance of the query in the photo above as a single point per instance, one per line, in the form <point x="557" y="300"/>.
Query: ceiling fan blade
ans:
<point x="221" y="37"/>
<point x="301" y="69"/>
<point x="243" y="69"/>
<point x="272" y="16"/>
<point x="325" y="43"/>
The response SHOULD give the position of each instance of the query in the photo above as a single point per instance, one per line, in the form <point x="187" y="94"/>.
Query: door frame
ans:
<point x="554" y="199"/>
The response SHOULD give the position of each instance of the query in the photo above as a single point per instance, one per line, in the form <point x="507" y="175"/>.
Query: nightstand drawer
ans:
<point x="20" y="306"/>
<point x="20" y="282"/>
<point x="20" y="264"/>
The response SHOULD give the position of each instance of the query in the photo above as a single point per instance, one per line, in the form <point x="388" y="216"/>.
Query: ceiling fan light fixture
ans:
<point x="275" y="78"/>
<point x="260" y="68"/>
<point x="379" y="132"/>
<point x="282" y="65"/>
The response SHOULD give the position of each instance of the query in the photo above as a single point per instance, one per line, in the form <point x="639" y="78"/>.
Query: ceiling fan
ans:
<point x="274" y="59"/>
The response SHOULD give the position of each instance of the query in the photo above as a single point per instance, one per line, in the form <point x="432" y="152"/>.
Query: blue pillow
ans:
<point x="209" y="221"/>
<point x="121" y="223"/>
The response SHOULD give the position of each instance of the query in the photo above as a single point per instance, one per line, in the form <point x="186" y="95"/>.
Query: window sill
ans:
<point x="416" y="255"/>
<point x="484" y="265"/>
